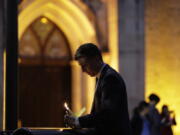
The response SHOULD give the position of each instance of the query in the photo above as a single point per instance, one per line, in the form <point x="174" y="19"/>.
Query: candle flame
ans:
<point x="68" y="109"/>
<point x="66" y="106"/>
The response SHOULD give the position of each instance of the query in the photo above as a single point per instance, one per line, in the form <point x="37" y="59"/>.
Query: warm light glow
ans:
<point x="19" y="124"/>
<point x="19" y="60"/>
<point x="66" y="15"/>
<point x="66" y="106"/>
<point x="68" y="109"/>
<point x="44" y="20"/>
<point x="47" y="128"/>
<point x="89" y="88"/>
<point x="113" y="33"/>
<point x="78" y="29"/>
<point x="4" y="90"/>
<point x="76" y="85"/>
<point x="162" y="55"/>
<point x="75" y="25"/>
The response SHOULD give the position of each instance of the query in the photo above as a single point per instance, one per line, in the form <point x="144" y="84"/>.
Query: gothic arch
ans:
<point x="77" y="28"/>
<point x="65" y="14"/>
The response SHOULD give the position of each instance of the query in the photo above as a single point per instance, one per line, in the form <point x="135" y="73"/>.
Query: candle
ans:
<point x="67" y="108"/>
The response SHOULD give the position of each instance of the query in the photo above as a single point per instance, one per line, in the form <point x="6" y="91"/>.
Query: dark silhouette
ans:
<point x="167" y="120"/>
<point x="140" y="122"/>
<point x="109" y="114"/>
<point x="154" y="115"/>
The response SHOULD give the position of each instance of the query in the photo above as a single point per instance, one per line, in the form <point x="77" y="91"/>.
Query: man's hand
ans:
<point x="71" y="120"/>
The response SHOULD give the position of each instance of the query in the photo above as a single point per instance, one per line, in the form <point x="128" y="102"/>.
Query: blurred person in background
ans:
<point x="167" y="120"/>
<point x="140" y="123"/>
<point x="154" y="115"/>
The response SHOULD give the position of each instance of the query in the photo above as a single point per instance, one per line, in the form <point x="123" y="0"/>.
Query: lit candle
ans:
<point x="67" y="108"/>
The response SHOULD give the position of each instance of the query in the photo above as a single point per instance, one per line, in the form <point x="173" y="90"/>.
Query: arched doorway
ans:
<point x="44" y="75"/>
<point x="77" y="28"/>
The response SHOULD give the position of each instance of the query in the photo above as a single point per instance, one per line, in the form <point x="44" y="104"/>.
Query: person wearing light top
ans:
<point x="140" y="122"/>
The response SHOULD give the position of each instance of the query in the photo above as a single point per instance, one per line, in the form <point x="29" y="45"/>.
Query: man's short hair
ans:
<point x="154" y="97"/>
<point x="88" y="50"/>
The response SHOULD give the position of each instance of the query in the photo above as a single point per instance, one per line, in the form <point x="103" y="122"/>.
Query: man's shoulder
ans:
<point x="112" y="74"/>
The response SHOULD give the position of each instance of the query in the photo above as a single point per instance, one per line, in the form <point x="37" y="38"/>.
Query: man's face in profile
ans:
<point x="88" y="66"/>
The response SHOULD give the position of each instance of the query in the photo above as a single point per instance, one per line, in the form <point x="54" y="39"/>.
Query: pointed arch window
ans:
<point x="44" y="43"/>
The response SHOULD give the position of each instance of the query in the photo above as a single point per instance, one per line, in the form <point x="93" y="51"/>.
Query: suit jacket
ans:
<point x="109" y="114"/>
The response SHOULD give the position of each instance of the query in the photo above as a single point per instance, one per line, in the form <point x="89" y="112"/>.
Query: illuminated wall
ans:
<point x="162" y="53"/>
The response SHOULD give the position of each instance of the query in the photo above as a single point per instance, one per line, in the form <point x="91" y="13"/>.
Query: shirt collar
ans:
<point x="99" y="73"/>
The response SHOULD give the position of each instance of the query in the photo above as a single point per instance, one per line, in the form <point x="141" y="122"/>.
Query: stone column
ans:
<point x="1" y="61"/>
<point x="76" y="97"/>
<point x="8" y="64"/>
<point x="82" y="89"/>
<point x="88" y="92"/>
<point x="131" y="48"/>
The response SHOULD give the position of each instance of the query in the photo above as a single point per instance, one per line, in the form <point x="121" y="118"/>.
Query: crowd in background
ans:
<point x="147" y="120"/>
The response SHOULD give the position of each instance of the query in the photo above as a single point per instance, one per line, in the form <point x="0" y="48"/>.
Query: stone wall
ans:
<point x="162" y="53"/>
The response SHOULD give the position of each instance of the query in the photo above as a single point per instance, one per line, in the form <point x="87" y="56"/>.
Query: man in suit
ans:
<point x="109" y="113"/>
